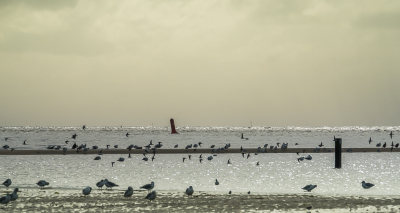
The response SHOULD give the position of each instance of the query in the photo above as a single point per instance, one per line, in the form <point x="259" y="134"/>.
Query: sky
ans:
<point x="203" y="63"/>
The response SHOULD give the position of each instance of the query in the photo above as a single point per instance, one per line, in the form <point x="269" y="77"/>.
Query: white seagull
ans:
<point x="189" y="191"/>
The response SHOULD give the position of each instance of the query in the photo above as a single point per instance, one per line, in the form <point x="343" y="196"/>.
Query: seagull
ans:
<point x="148" y="186"/>
<point x="378" y="145"/>
<point x="14" y="195"/>
<point x="300" y="159"/>
<point x="297" y="153"/>
<point x="190" y="157"/>
<point x="74" y="136"/>
<point x="151" y="196"/>
<point x="97" y="158"/>
<point x="189" y="191"/>
<point x="95" y="147"/>
<point x="230" y="192"/>
<point x="128" y="192"/>
<point x="397" y="145"/>
<point x="84" y="127"/>
<point x="112" y="164"/>
<point x="321" y="145"/>
<point x="25" y="142"/>
<point x="42" y="183"/>
<point x="391" y="134"/>
<point x="5" y="139"/>
<point x="6" y="147"/>
<point x="176" y="146"/>
<point x="216" y="182"/>
<point x="74" y="146"/>
<point x="183" y="159"/>
<point x="100" y="184"/>
<point x="87" y="190"/>
<point x="248" y="155"/>
<point x="152" y="158"/>
<point x="309" y="187"/>
<point x="370" y="140"/>
<point x="367" y="185"/>
<point x="258" y="163"/>
<point x="127" y="134"/>
<point x="384" y="145"/>
<point x="308" y="157"/>
<point x="5" y="199"/>
<point x="145" y="159"/>
<point x="392" y="144"/>
<point x="212" y="146"/>
<point x="115" y="146"/>
<point x="209" y="158"/>
<point x="242" y="154"/>
<point x="200" y="143"/>
<point x="229" y="161"/>
<point x="121" y="159"/>
<point x="109" y="184"/>
<point x="7" y="183"/>
<point x="201" y="156"/>
<point x="101" y="152"/>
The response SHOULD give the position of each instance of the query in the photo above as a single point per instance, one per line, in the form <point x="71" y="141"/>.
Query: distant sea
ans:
<point x="277" y="173"/>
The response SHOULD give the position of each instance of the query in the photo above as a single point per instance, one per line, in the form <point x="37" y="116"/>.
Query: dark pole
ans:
<point x="338" y="153"/>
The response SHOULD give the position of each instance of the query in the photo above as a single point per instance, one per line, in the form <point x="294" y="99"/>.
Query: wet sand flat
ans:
<point x="56" y="200"/>
<point x="185" y="151"/>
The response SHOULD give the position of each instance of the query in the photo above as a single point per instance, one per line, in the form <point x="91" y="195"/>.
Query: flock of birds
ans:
<point x="152" y="148"/>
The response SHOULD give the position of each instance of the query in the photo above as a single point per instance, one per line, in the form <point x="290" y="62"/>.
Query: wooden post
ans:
<point x="173" y="130"/>
<point x="338" y="153"/>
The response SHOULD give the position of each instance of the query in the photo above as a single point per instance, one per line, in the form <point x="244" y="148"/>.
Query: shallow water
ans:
<point x="277" y="173"/>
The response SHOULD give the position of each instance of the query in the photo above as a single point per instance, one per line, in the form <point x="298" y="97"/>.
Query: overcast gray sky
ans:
<point x="203" y="63"/>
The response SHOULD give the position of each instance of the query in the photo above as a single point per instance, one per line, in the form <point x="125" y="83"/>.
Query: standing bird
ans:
<point x="7" y="183"/>
<point x="321" y="145"/>
<point x="6" y="199"/>
<point x="190" y="157"/>
<point x="87" y="190"/>
<point x="151" y="196"/>
<point x="309" y="187"/>
<point x="189" y="191"/>
<point x="14" y="195"/>
<point x="109" y="184"/>
<point x="230" y="192"/>
<point x="74" y="146"/>
<point x="366" y="185"/>
<point x="84" y="127"/>
<point x="201" y="159"/>
<point x="74" y="136"/>
<point x="258" y="163"/>
<point x="100" y="184"/>
<point x="128" y="192"/>
<point x="25" y="142"/>
<point x="200" y="143"/>
<point x="148" y="187"/>
<point x="384" y="145"/>
<point x="391" y="134"/>
<point x="216" y="182"/>
<point x="127" y="134"/>
<point x="370" y="140"/>
<point x="229" y="161"/>
<point x="248" y="155"/>
<point x="184" y="159"/>
<point x="42" y="183"/>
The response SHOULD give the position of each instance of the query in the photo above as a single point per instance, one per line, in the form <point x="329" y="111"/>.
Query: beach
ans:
<point x="58" y="200"/>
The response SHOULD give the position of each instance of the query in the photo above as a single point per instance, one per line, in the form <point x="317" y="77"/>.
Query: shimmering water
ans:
<point x="277" y="173"/>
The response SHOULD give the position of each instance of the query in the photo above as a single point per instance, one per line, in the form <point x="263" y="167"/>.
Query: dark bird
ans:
<point x="277" y="144"/>
<point x="391" y="134"/>
<point x="310" y="207"/>
<point x="370" y="140"/>
<point x="384" y="145"/>
<point x="74" y="146"/>
<point x="296" y="144"/>
<point x="248" y="192"/>
<point x="74" y="136"/>
<point x="97" y="158"/>
<point x="212" y="146"/>
<point x="151" y="142"/>
<point x="66" y="141"/>
<point x="190" y="157"/>
<point x="321" y="145"/>
<point x="25" y="142"/>
<point x="248" y="155"/>
<point x="397" y="145"/>
<point x="127" y="134"/>
<point x="241" y="149"/>
<point x="112" y="164"/>
<point x="184" y="159"/>
<point x="5" y="139"/>
<point x="201" y="156"/>
<point x="334" y="138"/>
<point x="129" y="156"/>
<point x="201" y="159"/>
<point x="242" y="154"/>
<point x="297" y="153"/>
<point x="258" y="163"/>
<point x="84" y="127"/>
<point x="229" y="161"/>
<point x="152" y="158"/>
<point x="392" y="144"/>
<point x="230" y="192"/>
<point x="304" y="150"/>
<point x="200" y="143"/>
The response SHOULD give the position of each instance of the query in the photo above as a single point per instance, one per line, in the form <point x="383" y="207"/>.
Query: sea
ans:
<point x="277" y="173"/>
